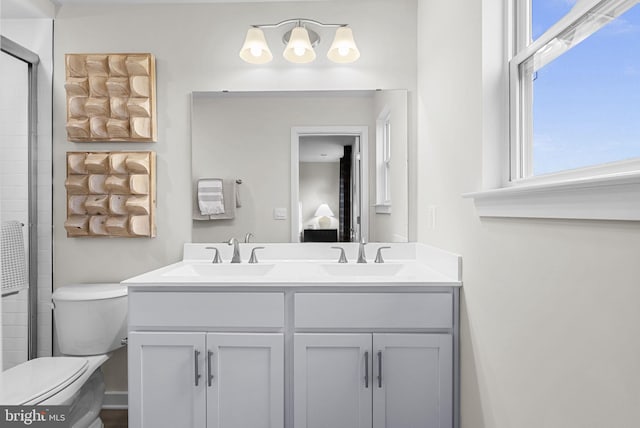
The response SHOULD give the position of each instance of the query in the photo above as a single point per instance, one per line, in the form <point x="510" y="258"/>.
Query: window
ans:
<point x="383" y="161"/>
<point x="575" y="89"/>
<point x="573" y="116"/>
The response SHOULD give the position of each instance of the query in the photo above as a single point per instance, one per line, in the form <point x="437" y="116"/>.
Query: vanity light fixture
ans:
<point x="300" y="43"/>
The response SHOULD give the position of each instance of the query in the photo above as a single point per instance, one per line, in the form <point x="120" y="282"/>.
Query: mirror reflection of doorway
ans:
<point x="330" y="187"/>
<point x="328" y="191"/>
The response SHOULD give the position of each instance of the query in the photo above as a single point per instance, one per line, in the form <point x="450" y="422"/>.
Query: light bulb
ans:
<point x="299" y="49"/>
<point x="343" y="49"/>
<point x="256" y="51"/>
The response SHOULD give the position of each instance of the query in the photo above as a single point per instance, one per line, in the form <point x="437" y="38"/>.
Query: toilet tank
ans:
<point x="90" y="319"/>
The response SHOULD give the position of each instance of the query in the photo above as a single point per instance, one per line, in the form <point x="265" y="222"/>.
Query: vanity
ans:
<point x="297" y="339"/>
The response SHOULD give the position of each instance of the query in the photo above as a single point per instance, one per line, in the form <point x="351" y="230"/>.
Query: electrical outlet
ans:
<point x="432" y="217"/>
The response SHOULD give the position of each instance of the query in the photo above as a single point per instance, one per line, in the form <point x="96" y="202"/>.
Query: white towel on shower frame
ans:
<point x="13" y="258"/>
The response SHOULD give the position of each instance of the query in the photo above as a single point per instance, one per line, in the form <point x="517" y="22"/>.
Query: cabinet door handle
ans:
<point x="209" y="355"/>
<point x="195" y="360"/>
<point x="366" y="369"/>
<point x="379" y="369"/>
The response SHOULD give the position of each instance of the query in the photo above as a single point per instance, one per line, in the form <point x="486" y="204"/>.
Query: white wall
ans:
<point x="196" y="47"/>
<point x="549" y="307"/>
<point x="37" y="35"/>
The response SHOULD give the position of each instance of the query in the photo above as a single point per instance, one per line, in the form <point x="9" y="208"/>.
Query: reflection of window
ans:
<point x="383" y="161"/>
<point x="574" y="89"/>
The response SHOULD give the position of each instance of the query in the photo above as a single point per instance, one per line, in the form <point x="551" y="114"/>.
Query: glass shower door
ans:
<point x="17" y="208"/>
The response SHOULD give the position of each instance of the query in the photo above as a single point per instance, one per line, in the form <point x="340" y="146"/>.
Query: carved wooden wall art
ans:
<point x="111" y="97"/>
<point x="111" y="194"/>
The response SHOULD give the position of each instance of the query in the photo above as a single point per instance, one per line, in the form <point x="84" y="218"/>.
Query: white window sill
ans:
<point x="608" y="197"/>
<point x="383" y="209"/>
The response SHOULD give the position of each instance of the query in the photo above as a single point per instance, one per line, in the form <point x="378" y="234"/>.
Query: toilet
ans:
<point x="90" y="321"/>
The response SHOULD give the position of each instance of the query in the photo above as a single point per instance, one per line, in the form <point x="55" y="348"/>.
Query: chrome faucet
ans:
<point x="236" y="250"/>
<point x="343" y="257"/>
<point x="253" y="258"/>
<point x="216" y="257"/>
<point x="379" y="258"/>
<point x="362" y="258"/>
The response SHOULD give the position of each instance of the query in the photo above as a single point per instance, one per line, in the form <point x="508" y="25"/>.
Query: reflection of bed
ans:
<point x="320" y="235"/>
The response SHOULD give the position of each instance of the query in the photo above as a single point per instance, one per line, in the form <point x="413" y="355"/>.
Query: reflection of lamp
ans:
<point x="324" y="212"/>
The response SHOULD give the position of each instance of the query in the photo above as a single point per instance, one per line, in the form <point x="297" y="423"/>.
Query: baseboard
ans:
<point x="116" y="400"/>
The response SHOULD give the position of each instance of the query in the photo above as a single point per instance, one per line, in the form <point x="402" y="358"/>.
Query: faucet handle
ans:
<point x="343" y="257"/>
<point x="379" y="258"/>
<point x="253" y="258"/>
<point x="216" y="256"/>
<point x="247" y="237"/>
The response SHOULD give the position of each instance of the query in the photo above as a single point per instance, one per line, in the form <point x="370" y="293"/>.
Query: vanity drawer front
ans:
<point x="210" y="310"/>
<point x="374" y="310"/>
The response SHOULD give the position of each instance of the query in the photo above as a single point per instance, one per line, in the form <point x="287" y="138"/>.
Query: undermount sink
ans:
<point x="215" y="269"/>
<point x="362" y="269"/>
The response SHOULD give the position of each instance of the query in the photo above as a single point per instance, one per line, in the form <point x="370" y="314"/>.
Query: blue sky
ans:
<point x="587" y="102"/>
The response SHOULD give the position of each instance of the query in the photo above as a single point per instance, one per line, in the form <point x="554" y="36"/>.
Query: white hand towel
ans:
<point x="13" y="258"/>
<point x="210" y="198"/>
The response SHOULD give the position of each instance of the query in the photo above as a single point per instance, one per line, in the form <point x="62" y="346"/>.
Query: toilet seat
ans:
<point x="36" y="380"/>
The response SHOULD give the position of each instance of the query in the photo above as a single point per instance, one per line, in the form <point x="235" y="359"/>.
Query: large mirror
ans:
<point x="300" y="166"/>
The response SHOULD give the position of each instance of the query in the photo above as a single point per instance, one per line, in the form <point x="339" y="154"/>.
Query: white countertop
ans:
<point x="304" y="265"/>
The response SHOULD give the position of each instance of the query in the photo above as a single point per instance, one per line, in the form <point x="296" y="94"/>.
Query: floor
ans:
<point x="114" y="418"/>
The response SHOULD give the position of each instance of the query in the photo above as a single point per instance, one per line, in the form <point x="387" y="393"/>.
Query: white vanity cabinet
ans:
<point x="412" y="380"/>
<point x="332" y="380"/>
<point x="223" y="379"/>
<point x="162" y="385"/>
<point x="293" y="356"/>
<point x="374" y="379"/>
<point x="197" y="380"/>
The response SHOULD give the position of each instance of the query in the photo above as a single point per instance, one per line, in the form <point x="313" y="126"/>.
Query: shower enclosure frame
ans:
<point x="32" y="60"/>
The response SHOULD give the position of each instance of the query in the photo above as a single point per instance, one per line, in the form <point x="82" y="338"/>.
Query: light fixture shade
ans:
<point x="299" y="49"/>
<point x="323" y="210"/>
<point x="255" y="49"/>
<point x="343" y="49"/>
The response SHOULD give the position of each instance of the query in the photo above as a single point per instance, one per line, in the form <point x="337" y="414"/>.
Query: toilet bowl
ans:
<point x="90" y="322"/>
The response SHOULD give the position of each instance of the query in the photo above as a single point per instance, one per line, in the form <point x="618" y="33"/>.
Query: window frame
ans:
<point x="383" y="162"/>
<point x="607" y="191"/>
<point x="521" y="93"/>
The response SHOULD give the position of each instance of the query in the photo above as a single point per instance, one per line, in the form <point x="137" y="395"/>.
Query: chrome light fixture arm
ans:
<point x="299" y="22"/>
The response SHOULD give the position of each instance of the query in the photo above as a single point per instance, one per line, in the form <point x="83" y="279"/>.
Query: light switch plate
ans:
<point x="279" y="213"/>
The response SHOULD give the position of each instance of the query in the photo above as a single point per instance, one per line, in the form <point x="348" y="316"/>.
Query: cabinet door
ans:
<point x="413" y="381"/>
<point x="164" y="387"/>
<point x="332" y="380"/>
<point x="245" y="378"/>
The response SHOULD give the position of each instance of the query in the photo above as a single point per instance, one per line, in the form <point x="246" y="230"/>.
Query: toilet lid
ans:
<point x="38" y="379"/>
